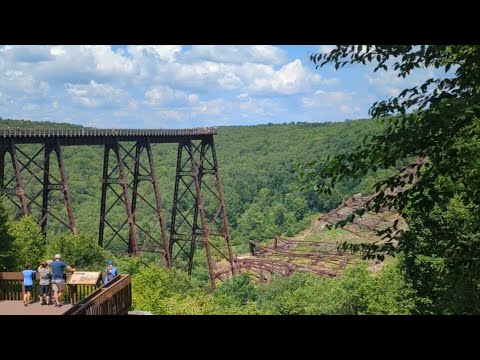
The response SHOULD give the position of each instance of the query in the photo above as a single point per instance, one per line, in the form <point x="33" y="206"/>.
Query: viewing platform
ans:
<point x="16" y="307"/>
<point x="114" y="298"/>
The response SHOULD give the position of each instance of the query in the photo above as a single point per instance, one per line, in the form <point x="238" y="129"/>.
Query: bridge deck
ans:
<point x="17" y="308"/>
<point x="101" y="136"/>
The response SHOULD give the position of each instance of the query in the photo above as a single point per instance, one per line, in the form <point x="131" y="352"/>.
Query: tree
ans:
<point x="7" y="257"/>
<point x="238" y="289"/>
<point x="435" y="126"/>
<point x="28" y="244"/>
<point x="79" y="251"/>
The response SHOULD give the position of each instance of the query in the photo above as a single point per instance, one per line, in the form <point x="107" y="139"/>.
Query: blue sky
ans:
<point x="174" y="86"/>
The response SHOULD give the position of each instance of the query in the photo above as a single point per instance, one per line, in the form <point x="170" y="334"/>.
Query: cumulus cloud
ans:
<point x="326" y="48"/>
<point x="194" y="85"/>
<point x="20" y="83"/>
<point x="164" y="95"/>
<point x="69" y="63"/>
<point x="323" y="98"/>
<point x="257" y="106"/>
<point x="390" y="84"/>
<point x="26" y="53"/>
<point x="240" y="54"/>
<point x="166" y="53"/>
<point x="212" y="107"/>
<point x="96" y="95"/>
<point x="292" y="78"/>
<point x="171" y="114"/>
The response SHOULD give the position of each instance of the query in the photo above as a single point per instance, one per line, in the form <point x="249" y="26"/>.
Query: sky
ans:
<point x="181" y="86"/>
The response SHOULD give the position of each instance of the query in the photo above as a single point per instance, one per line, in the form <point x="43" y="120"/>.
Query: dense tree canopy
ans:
<point x="442" y="126"/>
<point x="437" y="123"/>
<point x="257" y="166"/>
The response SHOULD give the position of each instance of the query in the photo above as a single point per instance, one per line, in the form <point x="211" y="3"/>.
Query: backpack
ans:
<point x="46" y="276"/>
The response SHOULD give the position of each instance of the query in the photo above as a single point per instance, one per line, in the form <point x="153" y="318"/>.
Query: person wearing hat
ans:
<point x="58" y="282"/>
<point x="110" y="272"/>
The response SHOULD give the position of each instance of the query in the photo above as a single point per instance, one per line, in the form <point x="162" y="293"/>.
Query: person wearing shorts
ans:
<point x="58" y="282"/>
<point x="45" y="280"/>
<point x="28" y="278"/>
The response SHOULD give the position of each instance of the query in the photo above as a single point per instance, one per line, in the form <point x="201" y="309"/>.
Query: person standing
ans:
<point x="45" y="280"/>
<point x="28" y="276"/>
<point x="58" y="282"/>
<point x="110" y="272"/>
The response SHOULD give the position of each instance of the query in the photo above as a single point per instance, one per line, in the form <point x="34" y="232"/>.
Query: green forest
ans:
<point x="418" y="155"/>
<point x="258" y="169"/>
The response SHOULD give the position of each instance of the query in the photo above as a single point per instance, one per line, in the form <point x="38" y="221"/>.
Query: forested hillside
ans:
<point x="419" y="159"/>
<point x="258" y="170"/>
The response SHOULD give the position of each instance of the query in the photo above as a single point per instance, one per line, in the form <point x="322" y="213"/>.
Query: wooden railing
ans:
<point x="114" y="298"/>
<point x="11" y="288"/>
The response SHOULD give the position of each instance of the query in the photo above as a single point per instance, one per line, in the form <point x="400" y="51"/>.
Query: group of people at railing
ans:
<point x="51" y="277"/>
<point x="51" y="274"/>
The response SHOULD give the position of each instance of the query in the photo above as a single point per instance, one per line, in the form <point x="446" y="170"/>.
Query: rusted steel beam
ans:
<point x="223" y="211"/>
<point x="65" y="188"/>
<point x="197" y="179"/>
<point x="45" y="187"/>
<point x="18" y="179"/>
<point x="136" y="167"/>
<point x="158" y="202"/>
<point x="196" y="175"/>
<point x="132" y="248"/>
<point x="174" y="238"/>
<point x="103" y="200"/>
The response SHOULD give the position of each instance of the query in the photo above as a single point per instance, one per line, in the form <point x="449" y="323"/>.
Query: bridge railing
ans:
<point x="11" y="288"/>
<point x="114" y="298"/>
<point x="16" y="132"/>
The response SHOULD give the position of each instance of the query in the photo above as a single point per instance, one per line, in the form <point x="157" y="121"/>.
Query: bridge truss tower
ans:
<point x="132" y="218"/>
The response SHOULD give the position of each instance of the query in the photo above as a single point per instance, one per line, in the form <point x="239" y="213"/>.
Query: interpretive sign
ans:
<point x="84" y="278"/>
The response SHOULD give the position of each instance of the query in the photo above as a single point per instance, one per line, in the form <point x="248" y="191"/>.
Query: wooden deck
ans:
<point x="17" y="308"/>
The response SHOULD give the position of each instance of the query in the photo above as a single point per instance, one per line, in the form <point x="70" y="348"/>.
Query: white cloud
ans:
<point x="239" y="54"/>
<point x="292" y="78"/>
<point x="69" y="63"/>
<point x="164" y="95"/>
<point x="17" y="83"/>
<point x="30" y="107"/>
<point x="120" y="114"/>
<point x="165" y="53"/>
<point x="392" y="85"/>
<point x="323" y="98"/>
<point x="167" y="84"/>
<point x="201" y="69"/>
<point x="96" y="95"/>
<point x="326" y="48"/>
<point x="57" y="51"/>
<point x="171" y="114"/>
<point x="349" y="110"/>
<point x="212" y="107"/>
<point x="258" y="106"/>
<point x="26" y="53"/>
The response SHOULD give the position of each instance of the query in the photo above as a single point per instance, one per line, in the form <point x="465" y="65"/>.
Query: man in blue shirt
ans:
<point x="28" y="277"/>
<point x="58" y="282"/>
